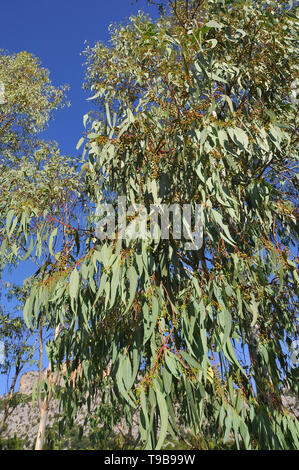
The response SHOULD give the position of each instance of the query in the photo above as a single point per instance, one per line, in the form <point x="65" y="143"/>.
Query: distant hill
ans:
<point x="24" y="420"/>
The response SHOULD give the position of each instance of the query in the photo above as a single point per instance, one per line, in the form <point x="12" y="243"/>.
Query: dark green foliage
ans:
<point x="195" y="110"/>
<point x="13" y="443"/>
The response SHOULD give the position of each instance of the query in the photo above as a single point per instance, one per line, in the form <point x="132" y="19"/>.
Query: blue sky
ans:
<point x="55" y="32"/>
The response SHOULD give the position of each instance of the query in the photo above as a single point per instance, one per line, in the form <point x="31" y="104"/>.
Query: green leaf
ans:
<point x="167" y="380"/>
<point x="163" y="416"/>
<point x="172" y="364"/>
<point x="150" y="319"/>
<point x="214" y="24"/>
<point x="239" y="137"/>
<point x="52" y="236"/>
<point x="229" y="352"/>
<point x="9" y="217"/>
<point x="120" y="382"/>
<point x="80" y="142"/>
<point x="85" y="118"/>
<point x="133" y="279"/>
<point x="74" y="284"/>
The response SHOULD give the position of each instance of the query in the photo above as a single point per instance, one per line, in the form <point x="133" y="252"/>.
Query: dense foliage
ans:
<point x="27" y="102"/>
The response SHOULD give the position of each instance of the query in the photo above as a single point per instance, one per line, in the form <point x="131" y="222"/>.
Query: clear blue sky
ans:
<point x="55" y="32"/>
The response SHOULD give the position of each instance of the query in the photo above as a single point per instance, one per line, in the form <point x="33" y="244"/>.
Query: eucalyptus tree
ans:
<point x="27" y="102"/>
<point x="40" y="195"/>
<point x="194" y="109"/>
<point x="203" y="113"/>
<point x="18" y="345"/>
<point x="34" y="176"/>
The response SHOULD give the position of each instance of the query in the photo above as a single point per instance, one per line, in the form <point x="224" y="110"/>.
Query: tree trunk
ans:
<point x="42" y="425"/>
<point x="44" y="410"/>
<point x="7" y="404"/>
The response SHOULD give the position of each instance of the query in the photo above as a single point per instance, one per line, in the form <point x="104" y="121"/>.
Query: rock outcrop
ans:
<point x="27" y="381"/>
<point x="24" y="419"/>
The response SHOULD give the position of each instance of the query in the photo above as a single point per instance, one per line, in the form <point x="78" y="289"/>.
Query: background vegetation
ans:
<point x="198" y="107"/>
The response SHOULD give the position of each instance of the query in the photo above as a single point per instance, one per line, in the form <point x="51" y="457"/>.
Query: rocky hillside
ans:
<point x="24" y="419"/>
<point x="23" y="422"/>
